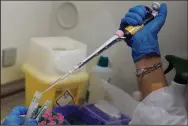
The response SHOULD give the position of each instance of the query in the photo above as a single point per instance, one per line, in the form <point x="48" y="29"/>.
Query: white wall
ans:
<point x="21" y="20"/>
<point x="98" y="20"/>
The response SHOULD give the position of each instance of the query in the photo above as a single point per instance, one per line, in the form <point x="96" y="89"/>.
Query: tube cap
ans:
<point x="103" y="61"/>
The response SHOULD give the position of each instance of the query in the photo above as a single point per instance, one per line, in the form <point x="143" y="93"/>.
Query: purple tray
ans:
<point x="90" y="115"/>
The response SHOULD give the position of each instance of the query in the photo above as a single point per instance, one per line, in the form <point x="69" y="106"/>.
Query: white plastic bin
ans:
<point x="55" y="55"/>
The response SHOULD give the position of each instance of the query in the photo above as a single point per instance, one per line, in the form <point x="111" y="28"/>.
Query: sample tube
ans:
<point x="34" y="104"/>
<point x="43" y="109"/>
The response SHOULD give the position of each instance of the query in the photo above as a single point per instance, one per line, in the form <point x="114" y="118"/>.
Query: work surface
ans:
<point x="120" y="99"/>
<point x="10" y="102"/>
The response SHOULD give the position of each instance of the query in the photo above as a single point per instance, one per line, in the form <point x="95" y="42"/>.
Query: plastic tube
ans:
<point x="43" y="109"/>
<point x="34" y="104"/>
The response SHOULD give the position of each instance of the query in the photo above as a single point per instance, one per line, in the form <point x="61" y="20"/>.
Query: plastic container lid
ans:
<point x="108" y="109"/>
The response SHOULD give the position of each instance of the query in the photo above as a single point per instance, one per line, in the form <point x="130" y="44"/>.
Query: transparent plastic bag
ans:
<point x="166" y="106"/>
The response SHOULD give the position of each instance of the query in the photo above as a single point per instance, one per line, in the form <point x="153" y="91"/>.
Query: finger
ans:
<point x="13" y="120"/>
<point x="122" y="25"/>
<point x="129" y="21"/>
<point x="32" y="122"/>
<point x="159" y="21"/>
<point x="23" y="110"/>
<point x="19" y="110"/>
<point x="140" y="10"/>
<point x="135" y="16"/>
<point x="162" y="11"/>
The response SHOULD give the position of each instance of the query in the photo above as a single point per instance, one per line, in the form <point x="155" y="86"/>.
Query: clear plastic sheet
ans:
<point x="166" y="106"/>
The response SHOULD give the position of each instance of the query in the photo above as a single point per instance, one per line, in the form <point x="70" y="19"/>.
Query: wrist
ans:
<point x="147" y="60"/>
<point x="149" y="53"/>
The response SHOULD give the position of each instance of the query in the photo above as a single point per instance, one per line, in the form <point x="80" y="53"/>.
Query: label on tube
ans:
<point x="43" y="109"/>
<point x="34" y="104"/>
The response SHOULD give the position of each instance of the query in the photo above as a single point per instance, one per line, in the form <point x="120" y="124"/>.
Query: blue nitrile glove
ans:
<point x="145" y="41"/>
<point x="15" y="118"/>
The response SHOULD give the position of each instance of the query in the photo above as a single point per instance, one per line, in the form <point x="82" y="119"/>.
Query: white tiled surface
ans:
<point x="11" y="101"/>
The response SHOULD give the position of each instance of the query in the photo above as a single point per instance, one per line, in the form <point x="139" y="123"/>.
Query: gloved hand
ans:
<point x="145" y="41"/>
<point x="15" y="118"/>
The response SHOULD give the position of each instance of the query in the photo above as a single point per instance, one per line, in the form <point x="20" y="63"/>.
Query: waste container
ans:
<point x="34" y="80"/>
<point x="48" y="59"/>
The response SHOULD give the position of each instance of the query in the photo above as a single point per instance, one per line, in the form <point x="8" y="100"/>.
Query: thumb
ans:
<point x="32" y="122"/>
<point x="159" y="20"/>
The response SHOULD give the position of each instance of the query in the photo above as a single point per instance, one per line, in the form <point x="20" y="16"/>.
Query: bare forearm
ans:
<point x="153" y="80"/>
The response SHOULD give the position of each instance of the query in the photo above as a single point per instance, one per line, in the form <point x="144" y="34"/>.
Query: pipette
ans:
<point x="120" y="35"/>
<point x="106" y="45"/>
